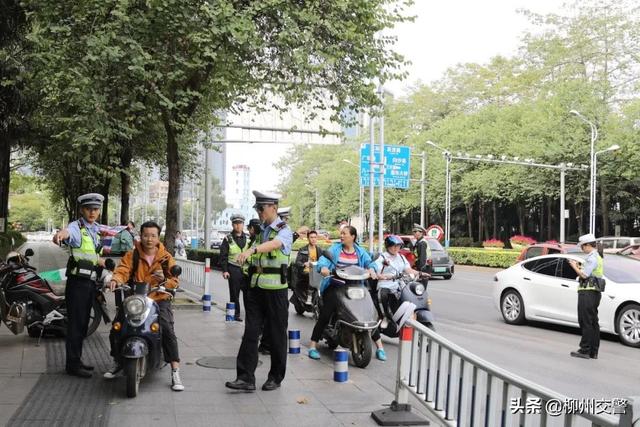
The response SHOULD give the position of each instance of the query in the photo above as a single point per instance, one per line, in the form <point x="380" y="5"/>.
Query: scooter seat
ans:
<point x="58" y="288"/>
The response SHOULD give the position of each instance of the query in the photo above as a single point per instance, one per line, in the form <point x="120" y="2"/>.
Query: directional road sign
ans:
<point x="397" y="159"/>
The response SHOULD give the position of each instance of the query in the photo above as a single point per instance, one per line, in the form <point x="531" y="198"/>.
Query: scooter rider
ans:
<point x="390" y="264"/>
<point x="232" y="246"/>
<point x="82" y="238"/>
<point x="344" y="254"/>
<point x="151" y="263"/>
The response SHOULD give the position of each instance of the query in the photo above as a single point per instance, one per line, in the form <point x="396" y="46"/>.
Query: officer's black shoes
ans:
<point x="270" y="385"/>
<point x="79" y="372"/>
<point x="593" y="355"/>
<point x="238" y="319"/>
<point x="240" y="385"/>
<point x="86" y="367"/>
<point x="580" y="354"/>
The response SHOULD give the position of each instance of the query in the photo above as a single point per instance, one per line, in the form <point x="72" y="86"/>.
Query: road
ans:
<point x="465" y="314"/>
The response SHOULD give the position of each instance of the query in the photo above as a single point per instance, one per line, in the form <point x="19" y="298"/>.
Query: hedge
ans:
<point x="484" y="257"/>
<point x="201" y="254"/>
<point x="5" y="242"/>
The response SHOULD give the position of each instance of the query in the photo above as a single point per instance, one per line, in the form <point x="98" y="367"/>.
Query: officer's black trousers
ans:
<point x="236" y="284"/>
<point x="79" y="295"/>
<point x="260" y="305"/>
<point x="588" y="302"/>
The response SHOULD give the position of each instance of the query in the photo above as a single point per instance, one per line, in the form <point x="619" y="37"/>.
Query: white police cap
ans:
<point x="237" y="218"/>
<point x="266" y="198"/>
<point x="91" y="200"/>
<point x="284" y="212"/>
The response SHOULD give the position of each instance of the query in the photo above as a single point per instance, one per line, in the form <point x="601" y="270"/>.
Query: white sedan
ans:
<point x="545" y="289"/>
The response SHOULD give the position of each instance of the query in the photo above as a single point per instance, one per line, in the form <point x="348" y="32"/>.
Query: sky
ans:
<point x="443" y="34"/>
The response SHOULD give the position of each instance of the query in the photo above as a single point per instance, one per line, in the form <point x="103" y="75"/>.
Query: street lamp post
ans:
<point x="592" y="180"/>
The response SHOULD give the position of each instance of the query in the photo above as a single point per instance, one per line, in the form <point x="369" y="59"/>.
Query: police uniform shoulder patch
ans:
<point x="281" y="225"/>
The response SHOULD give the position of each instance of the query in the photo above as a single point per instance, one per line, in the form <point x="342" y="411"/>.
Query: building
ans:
<point x="158" y="191"/>
<point x="239" y="189"/>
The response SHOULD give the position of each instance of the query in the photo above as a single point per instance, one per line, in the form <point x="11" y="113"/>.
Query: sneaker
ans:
<point x="113" y="372"/>
<point x="381" y="355"/>
<point x="314" y="354"/>
<point x="176" y="383"/>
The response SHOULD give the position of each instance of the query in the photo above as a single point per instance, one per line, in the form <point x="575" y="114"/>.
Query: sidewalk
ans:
<point x="36" y="391"/>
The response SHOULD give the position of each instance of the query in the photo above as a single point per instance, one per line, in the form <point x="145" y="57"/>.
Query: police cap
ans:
<point x="284" y="212"/>
<point x="91" y="200"/>
<point x="418" y="227"/>
<point x="266" y="198"/>
<point x="235" y="218"/>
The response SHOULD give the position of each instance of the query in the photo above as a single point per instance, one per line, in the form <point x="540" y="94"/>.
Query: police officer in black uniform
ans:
<point x="233" y="245"/>
<point x="422" y="252"/>
<point x="266" y="298"/>
<point x="82" y="237"/>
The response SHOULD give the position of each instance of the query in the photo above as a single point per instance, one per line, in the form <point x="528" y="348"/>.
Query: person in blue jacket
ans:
<point x="345" y="253"/>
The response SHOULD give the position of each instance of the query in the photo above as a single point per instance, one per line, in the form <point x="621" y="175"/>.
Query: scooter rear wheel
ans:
<point x="133" y="372"/>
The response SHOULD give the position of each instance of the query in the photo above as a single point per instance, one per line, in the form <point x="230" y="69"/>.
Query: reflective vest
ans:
<point x="597" y="272"/>
<point x="85" y="254"/>
<point x="247" y="263"/>
<point x="268" y="266"/>
<point x="235" y="250"/>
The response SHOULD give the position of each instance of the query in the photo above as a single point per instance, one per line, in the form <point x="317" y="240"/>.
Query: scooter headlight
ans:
<point x="355" y="293"/>
<point x="418" y="289"/>
<point x="134" y="306"/>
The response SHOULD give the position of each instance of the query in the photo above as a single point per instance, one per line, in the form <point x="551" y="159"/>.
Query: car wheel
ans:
<point x="628" y="325"/>
<point x="512" y="307"/>
<point x="447" y="277"/>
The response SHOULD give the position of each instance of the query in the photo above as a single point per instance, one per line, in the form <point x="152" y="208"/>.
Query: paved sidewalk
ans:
<point x="36" y="392"/>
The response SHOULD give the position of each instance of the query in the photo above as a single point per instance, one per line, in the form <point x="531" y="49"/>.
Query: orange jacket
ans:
<point x="152" y="274"/>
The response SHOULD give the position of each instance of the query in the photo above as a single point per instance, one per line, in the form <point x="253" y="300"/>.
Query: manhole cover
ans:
<point x="219" y="362"/>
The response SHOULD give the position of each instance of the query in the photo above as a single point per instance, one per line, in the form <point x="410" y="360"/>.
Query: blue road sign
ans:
<point x="397" y="162"/>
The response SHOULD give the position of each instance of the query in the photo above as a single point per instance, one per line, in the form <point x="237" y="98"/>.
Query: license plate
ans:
<point x="440" y="269"/>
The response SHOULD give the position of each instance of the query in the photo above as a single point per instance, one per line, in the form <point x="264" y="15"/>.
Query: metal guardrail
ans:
<point x="457" y="388"/>
<point x="193" y="272"/>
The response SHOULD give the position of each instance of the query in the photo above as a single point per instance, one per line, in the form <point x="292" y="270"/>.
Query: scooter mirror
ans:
<point x="28" y="252"/>
<point x="176" y="270"/>
<point x="109" y="264"/>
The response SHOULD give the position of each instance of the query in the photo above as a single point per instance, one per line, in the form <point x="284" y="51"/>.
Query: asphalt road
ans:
<point x="465" y="314"/>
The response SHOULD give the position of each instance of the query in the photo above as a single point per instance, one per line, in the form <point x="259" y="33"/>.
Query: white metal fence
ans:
<point x="192" y="272"/>
<point x="457" y="388"/>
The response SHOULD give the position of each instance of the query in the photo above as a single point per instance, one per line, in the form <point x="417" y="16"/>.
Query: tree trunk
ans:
<point x="125" y="183"/>
<point x="173" y="165"/>
<point x="495" y="220"/>
<point x="5" y="177"/>
<point x="580" y="218"/>
<point x="604" y="207"/>
<point x="469" y="209"/>
<point x="105" y="205"/>
<point x="549" y="219"/>
<point x="541" y="218"/>
<point x="480" y="220"/>
<point x="520" y="210"/>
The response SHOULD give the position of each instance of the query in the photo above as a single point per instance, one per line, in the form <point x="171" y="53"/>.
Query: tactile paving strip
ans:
<point x="58" y="399"/>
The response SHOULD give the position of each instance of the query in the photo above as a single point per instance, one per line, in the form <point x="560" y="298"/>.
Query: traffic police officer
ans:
<point x="589" y="295"/>
<point x="255" y="229"/>
<point x="422" y="251"/>
<point x="232" y="246"/>
<point x="82" y="237"/>
<point x="267" y="297"/>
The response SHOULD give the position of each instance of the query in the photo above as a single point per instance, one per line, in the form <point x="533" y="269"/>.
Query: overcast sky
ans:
<point x="444" y="34"/>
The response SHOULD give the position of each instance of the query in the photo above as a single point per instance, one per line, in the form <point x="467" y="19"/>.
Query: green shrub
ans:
<point x="483" y="257"/>
<point x="5" y="242"/>
<point x="201" y="254"/>
<point x="466" y="242"/>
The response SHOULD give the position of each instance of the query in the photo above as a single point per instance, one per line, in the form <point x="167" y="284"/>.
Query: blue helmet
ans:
<point x="392" y="240"/>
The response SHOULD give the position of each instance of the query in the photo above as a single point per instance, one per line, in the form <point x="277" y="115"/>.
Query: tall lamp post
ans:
<point x="592" y="180"/>
<point x="360" y="197"/>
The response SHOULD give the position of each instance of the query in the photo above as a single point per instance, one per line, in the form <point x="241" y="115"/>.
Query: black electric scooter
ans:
<point x="355" y="317"/>
<point x="138" y="335"/>
<point x="414" y="292"/>
<point x="304" y="297"/>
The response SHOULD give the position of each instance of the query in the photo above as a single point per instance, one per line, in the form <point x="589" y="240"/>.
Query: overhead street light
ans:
<point x="592" y="158"/>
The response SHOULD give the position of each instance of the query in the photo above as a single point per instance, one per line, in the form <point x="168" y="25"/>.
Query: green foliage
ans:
<point x="201" y="255"/>
<point x="483" y="257"/>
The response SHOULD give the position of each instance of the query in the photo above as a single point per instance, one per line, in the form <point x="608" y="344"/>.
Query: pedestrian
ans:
<point x="123" y="241"/>
<point x="267" y="297"/>
<point x="345" y="253"/>
<point x="180" y="246"/>
<point x="233" y="245"/>
<point x="151" y="263"/>
<point x="82" y="237"/>
<point x="589" y="295"/>
<point x="422" y="252"/>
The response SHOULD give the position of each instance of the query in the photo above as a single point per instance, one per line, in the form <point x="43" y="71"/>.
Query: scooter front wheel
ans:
<point x="133" y="372"/>
<point x="95" y="317"/>
<point x="361" y="349"/>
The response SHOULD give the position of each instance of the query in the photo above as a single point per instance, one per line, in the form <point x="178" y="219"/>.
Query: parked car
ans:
<point x="545" y="289"/>
<point x="216" y="240"/>
<point x="611" y="245"/>
<point x="539" y="249"/>
<point x="441" y="263"/>
<point x="631" y="251"/>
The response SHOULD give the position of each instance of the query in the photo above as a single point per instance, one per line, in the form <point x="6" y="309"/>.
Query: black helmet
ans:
<point x="392" y="240"/>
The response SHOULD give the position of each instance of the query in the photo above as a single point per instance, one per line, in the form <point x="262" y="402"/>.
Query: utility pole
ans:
<point x="381" y="198"/>
<point x="207" y="198"/>
<point x="372" y="221"/>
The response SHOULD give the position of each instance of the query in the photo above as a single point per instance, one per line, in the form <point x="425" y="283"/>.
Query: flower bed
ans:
<point x="520" y="242"/>
<point x="493" y="244"/>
